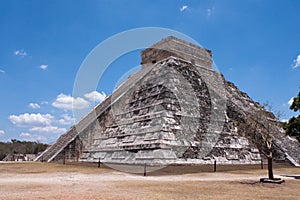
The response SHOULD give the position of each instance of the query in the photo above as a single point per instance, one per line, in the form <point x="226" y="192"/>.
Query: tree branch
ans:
<point x="261" y="151"/>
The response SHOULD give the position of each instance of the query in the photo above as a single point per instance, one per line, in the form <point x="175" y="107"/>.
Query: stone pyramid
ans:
<point x="175" y="110"/>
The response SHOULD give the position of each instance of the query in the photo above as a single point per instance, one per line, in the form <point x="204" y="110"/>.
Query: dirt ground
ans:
<point x="56" y="181"/>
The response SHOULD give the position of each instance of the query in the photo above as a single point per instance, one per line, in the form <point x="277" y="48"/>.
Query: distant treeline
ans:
<point x="20" y="147"/>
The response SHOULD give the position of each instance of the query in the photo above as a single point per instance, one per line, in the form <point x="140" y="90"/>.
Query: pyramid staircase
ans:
<point x="129" y="135"/>
<point x="64" y="140"/>
<point x="52" y="151"/>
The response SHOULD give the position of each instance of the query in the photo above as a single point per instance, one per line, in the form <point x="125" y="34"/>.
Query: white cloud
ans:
<point x="2" y="132"/>
<point x="30" y="137"/>
<point x="66" y="120"/>
<point x="48" y="129"/>
<point x="290" y="102"/>
<point x="25" y="135"/>
<point x="297" y="62"/>
<point x="183" y="8"/>
<point x="68" y="102"/>
<point x="31" y="119"/>
<point x="2" y="71"/>
<point x="43" y="67"/>
<point x="95" y="96"/>
<point x="44" y="102"/>
<point x="20" y="52"/>
<point x="34" y="105"/>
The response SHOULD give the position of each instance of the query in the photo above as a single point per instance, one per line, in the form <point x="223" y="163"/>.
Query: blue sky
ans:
<point x="255" y="44"/>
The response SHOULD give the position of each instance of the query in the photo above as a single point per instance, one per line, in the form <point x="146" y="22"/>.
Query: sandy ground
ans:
<point x="56" y="181"/>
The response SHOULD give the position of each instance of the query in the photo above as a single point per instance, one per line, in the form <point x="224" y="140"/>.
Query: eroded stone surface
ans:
<point x="175" y="110"/>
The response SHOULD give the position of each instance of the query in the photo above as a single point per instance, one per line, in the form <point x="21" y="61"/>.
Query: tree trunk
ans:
<point x="270" y="167"/>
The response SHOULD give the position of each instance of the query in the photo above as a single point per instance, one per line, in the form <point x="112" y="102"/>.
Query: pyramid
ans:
<point x="176" y="110"/>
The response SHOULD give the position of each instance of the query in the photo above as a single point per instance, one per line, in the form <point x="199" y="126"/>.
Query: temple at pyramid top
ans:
<point x="168" y="113"/>
<point x="172" y="46"/>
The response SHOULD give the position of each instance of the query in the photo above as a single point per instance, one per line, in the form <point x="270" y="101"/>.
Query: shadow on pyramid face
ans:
<point x="175" y="110"/>
<point x="162" y="114"/>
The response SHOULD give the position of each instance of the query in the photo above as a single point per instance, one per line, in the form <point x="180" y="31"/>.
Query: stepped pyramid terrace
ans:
<point x="175" y="110"/>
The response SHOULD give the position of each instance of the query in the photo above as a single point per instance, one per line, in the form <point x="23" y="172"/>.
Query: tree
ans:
<point x="258" y="128"/>
<point x="20" y="147"/>
<point x="296" y="103"/>
<point x="292" y="128"/>
<point x="4" y="150"/>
